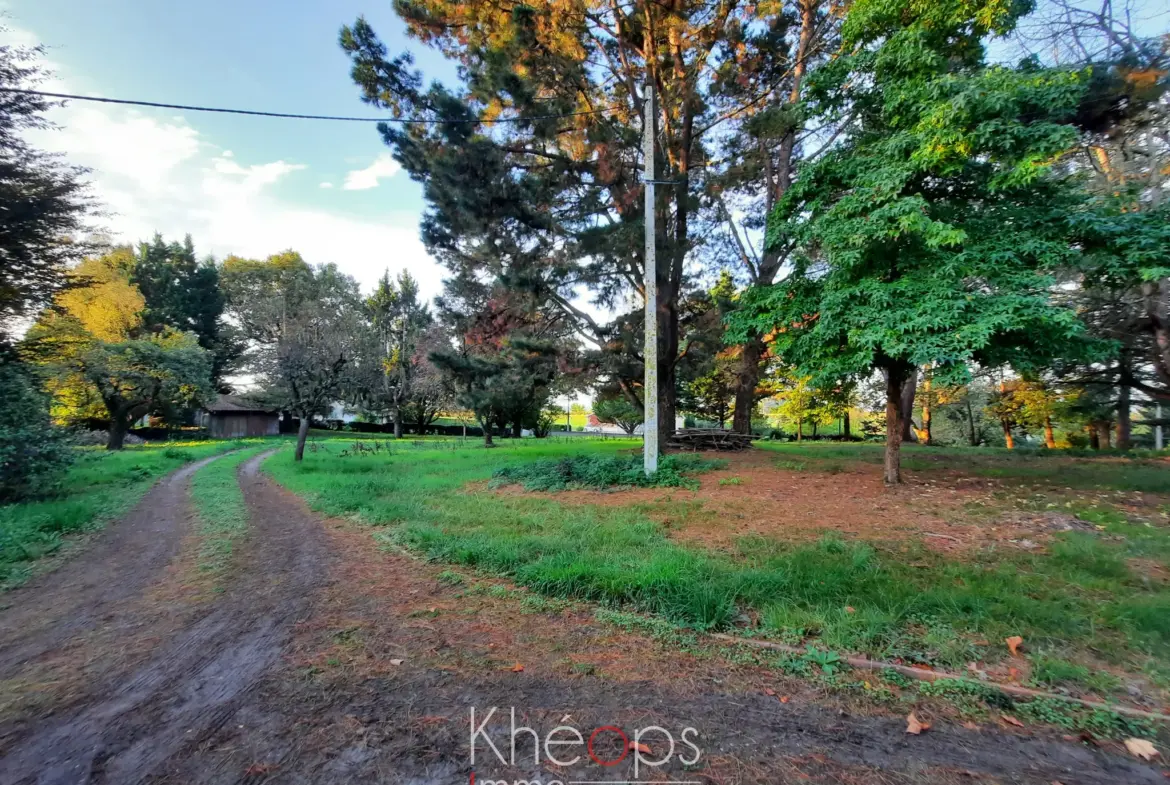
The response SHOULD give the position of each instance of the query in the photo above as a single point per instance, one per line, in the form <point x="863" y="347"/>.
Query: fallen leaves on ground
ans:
<point x="517" y="668"/>
<point x="640" y="747"/>
<point x="914" y="725"/>
<point x="395" y="662"/>
<point x="1141" y="748"/>
<point x="1010" y="720"/>
<point x="769" y="691"/>
<point x="1013" y="644"/>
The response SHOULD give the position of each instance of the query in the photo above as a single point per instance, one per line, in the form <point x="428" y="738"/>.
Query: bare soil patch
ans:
<point x="756" y="496"/>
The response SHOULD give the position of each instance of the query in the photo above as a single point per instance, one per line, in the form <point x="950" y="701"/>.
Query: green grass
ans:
<point x="1079" y="600"/>
<point x="99" y="487"/>
<point x="219" y="505"/>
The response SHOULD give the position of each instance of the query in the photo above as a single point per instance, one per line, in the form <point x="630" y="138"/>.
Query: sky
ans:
<point x="239" y="185"/>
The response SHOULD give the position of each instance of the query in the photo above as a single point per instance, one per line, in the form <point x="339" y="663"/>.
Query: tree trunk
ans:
<point x="1049" y="435"/>
<point x="1103" y="435"/>
<point x="926" y="385"/>
<point x="799" y="428"/>
<point x="1124" y="427"/>
<point x="1008" y="440"/>
<point x="1094" y="439"/>
<point x="906" y="405"/>
<point x="397" y="422"/>
<point x="845" y="425"/>
<point x="487" y="432"/>
<point x="119" y="425"/>
<point x="516" y="429"/>
<point x="746" y="381"/>
<point x="302" y="437"/>
<point x="971" y="437"/>
<point x="814" y="433"/>
<point x="898" y="378"/>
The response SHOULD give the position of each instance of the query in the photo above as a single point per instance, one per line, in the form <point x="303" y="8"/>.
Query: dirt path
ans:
<point x="94" y="587"/>
<point x="231" y="695"/>
<point x="199" y="676"/>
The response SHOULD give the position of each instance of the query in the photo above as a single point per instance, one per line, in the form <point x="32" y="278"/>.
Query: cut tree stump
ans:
<point x="700" y="439"/>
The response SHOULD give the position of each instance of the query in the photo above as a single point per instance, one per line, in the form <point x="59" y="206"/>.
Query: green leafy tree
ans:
<point x="133" y="377"/>
<point x="398" y="319"/>
<point x="183" y="293"/>
<point x="431" y="393"/>
<point x="45" y="200"/>
<point x="509" y="385"/>
<point x="712" y="396"/>
<point x="305" y="325"/>
<point x="617" y="409"/>
<point x="929" y="233"/>
<point x="102" y="361"/>
<point x="800" y="403"/>
<point x="33" y="453"/>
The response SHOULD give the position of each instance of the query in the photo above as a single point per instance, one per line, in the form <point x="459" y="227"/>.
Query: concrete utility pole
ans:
<point x="650" y="274"/>
<point x="1158" y="443"/>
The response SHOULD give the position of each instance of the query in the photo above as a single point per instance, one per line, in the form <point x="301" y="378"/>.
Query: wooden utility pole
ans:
<point x="650" y="275"/>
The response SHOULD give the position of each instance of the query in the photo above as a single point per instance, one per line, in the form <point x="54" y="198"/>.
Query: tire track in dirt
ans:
<point x="201" y="675"/>
<point x="95" y="586"/>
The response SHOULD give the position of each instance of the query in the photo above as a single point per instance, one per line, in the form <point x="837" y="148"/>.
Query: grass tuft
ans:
<point x="219" y="504"/>
<point x="600" y="471"/>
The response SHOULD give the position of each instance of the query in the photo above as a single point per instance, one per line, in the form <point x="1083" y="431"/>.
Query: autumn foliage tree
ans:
<point x="530" y="166"/>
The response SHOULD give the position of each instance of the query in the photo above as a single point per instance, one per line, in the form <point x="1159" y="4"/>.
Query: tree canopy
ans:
<point x="932" y="233"/>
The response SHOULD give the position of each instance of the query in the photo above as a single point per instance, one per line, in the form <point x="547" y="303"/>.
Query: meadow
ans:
<point x="1092" y="605"/>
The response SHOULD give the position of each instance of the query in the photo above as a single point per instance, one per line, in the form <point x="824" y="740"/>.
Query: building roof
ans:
<point x="226" y="404"/>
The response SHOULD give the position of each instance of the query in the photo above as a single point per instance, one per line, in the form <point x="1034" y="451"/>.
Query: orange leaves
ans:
<point x="1013" y="644"/>
<point x="517" y="668"/>
<point x="915" y="726"/>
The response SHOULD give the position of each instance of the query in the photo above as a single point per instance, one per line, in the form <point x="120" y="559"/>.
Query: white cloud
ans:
<point x="325" y="185"/>
<point x="154" y="173"/>
<point x="360" y="179"/>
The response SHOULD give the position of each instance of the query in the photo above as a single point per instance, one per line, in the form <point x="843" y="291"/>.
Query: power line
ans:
<point x="257" y="113"/>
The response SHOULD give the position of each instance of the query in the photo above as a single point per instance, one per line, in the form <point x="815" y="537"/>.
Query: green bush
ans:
<point x="597" y="471"/>
<point x="33" y="452"/>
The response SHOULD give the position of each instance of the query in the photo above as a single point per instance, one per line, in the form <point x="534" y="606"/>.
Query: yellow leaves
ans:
<point x="105" y="303"/>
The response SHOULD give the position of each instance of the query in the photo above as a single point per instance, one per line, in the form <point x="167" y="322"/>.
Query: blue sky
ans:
<point x="243" y="185"/>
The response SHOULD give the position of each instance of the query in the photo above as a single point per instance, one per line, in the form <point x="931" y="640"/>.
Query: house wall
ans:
<point x="235" y="425"/>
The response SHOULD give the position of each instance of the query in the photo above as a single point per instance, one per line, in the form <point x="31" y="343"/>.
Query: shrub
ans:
<point x="33" y="452"/>
<point x="594" y="471"/>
